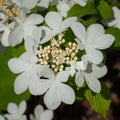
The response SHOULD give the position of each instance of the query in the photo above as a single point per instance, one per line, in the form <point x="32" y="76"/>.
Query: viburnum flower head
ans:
<point x="16" y="112"/>
<point x="92" y="41"/>
<point x="116" y="21"/>
<point x="41" y="114"/>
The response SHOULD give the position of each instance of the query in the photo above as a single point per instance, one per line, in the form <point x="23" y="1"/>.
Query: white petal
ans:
<point x="52" y="99"/>
<point x="34" y="19"/>
<point x="12" y="108"/>
<point x="29" y="3"/>
<point x="2" y="118"/>
<point x="43" y="3"/>
<point x="16" y="35"/>
<point x="17" y="65"/>
<point x="47" y="115"/>
<point x="79" y="31"/>
<point x="81" y="2"/>
<point x="62" y="76"/>
<point x="21" y="83"/>
<point x="79" y="79"/>
<point x="94" y="56"/>
<point x="104" y="41"/>
<point x="39" y="87"/>
<point x="92" y="82"/>
<point x="28" y="30"/>
<point x="22" y="107"/>
<point x="29" y="43"/>
<point x="94" y="31"/>
<point x="67" y="22"/>
<point x="66" y="93"/>
<point x="116" y="12"/>
<point x="53" y="20"/>
<point x="38" y="111"/>
<point x="48" y="34"/>
<point x="99" y="70"/>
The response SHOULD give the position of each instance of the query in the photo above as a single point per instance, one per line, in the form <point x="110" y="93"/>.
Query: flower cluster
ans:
<point x="18" y="112"/>
<point x="51" y="59"/>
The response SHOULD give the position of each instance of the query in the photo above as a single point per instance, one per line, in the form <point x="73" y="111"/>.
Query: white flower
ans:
<point x="55" y="25"/>
<point x="16" y="112"/>
<point x="92" y="40"/>
<point x="28" y="69"/>
<point x="40" y="114"/>
<point x="25" y="27"/>
<point x="91" y="75"/>
<point x="116" y="21"/>
<point x="56" y="90"/>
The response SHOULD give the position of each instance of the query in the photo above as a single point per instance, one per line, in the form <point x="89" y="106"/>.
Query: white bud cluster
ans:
<point x="55" y="56"/>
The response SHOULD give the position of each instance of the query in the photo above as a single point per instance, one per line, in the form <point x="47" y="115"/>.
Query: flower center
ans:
<point x="11" y="10"/>
<point x="58" y="54"/>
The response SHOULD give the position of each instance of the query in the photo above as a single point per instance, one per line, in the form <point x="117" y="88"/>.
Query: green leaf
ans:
<point x="7" y="78"/>
<point x="116" y="33"/>
<point x="80" y="11"/>
<point x="15" y="51"/>
<point x="105" y="10"/>
<point x="100" y="102"/>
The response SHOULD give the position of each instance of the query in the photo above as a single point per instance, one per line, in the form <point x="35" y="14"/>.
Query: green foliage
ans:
<point x="100" y="102"/>
<point x="80" y="11"/>
<point x="7" y="78"/>
<point x="105" y="10"/>
<point x="116" y="33"/>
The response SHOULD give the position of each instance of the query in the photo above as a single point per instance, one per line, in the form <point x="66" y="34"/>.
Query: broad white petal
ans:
<point x="67" y="22"/>
<point x="43" y="3"/>
<point x="53" y="20"/>
<point x="34" y="19"/>
<point x="62" y="76"/>
<point x="48" y="34"/>
<point x="66" y="93"/>
<point x="79" y="79"/>
<point x="38" y="111"/>
<point x="94" y="56"/>
<point x="52" y="99"/>
<point x="104" y="41"/>
<point x="116" y="12"/>
<point x="30" y="43"/>
<point x="40" y="86"/>
<point x="16" y="35"/>
<point x="79" y="31"/>
<point x="22" y="107"/>
<point x="29" y="3"/>
<point x="2" y="118"/>
<point x="92" y="82"/>
<point x="81" y="2"/>
<point x="17" y="65"/>
<point x="47" y="115"/>
<point x="12" y="108"/>
<point x="21" y="83"/>
<point x="99" y="70"/>
<point x="94" y="31"/>
<point x="28" y="30"/>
